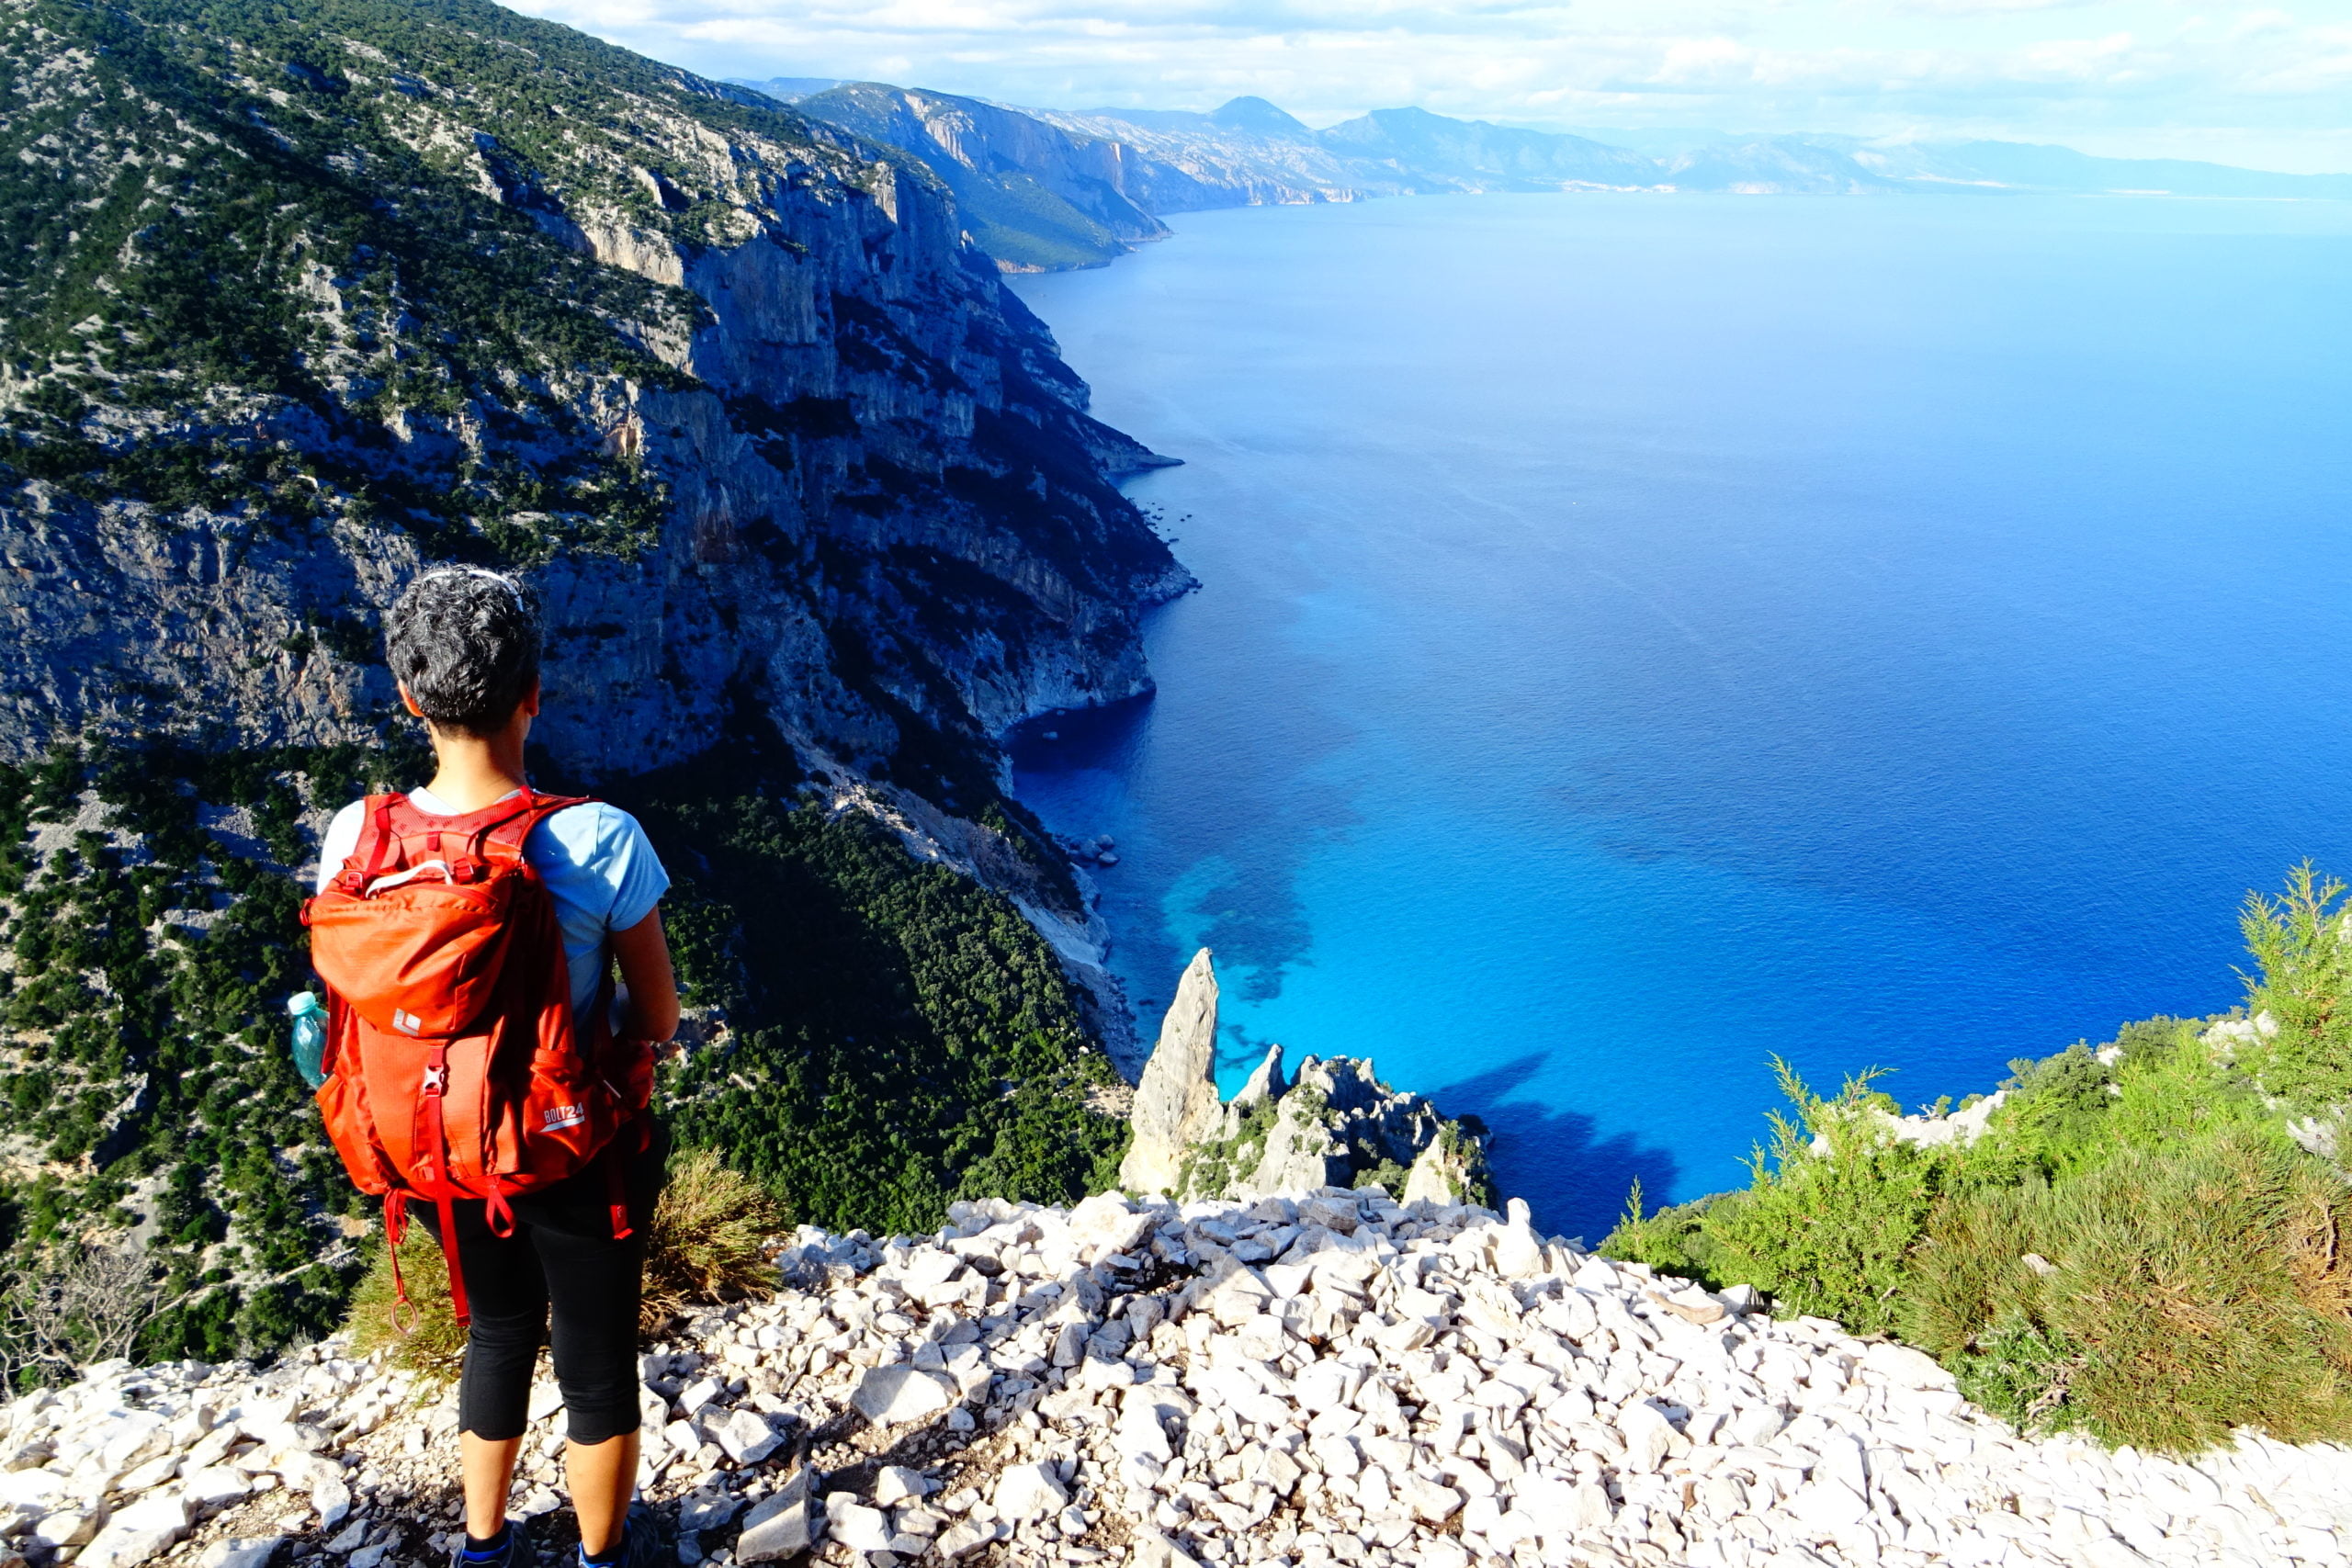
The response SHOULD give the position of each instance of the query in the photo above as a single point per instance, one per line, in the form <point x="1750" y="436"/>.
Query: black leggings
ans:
<point x="560" y="1263"/>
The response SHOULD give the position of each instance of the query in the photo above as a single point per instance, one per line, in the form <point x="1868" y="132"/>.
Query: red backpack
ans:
<point x="456" y="1068"/>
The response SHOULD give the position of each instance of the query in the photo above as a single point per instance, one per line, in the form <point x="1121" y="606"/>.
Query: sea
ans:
<point x="1643" y="639"/>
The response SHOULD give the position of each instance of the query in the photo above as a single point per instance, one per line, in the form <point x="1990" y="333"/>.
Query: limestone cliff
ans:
<point x="299" y="297"/>
<point x="1176" y="1102"/>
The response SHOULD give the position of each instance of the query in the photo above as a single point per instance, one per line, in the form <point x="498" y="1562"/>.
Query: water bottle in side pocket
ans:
<point x="310" y="1016"/>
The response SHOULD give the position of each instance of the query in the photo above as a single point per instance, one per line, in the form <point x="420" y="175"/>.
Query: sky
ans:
<point x="2262" y="86"/>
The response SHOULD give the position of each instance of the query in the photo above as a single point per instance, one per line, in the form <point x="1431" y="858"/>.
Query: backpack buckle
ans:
<point x="436" y="1077"/>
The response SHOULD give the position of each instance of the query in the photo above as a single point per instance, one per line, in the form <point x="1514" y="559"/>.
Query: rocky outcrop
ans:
<point x="1333" y="1124"/>
<point x="1338" y="1379"/>
<point x="1453" y="1165"/>
<point x="1176" y="1100"/>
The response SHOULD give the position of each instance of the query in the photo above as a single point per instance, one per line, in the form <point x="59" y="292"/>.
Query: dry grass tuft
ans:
<point x="434" y="1347"/>
<point x="704" y="1245"/>
<point x="2193" y="1289"/>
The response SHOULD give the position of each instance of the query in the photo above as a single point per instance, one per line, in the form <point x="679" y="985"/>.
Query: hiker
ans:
<point x="482" y="1071"/>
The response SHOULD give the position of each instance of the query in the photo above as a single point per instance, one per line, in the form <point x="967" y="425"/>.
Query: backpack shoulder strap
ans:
<point x="378" y="836"/>
<point x="504" y="839"/>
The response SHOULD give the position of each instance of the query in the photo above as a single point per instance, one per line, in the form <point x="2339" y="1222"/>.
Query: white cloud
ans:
<point x="2045" y="69"/>
<point x="1988" y="7"/>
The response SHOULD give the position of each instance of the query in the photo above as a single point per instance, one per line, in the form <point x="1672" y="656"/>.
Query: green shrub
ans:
<point x="2021" y="1372"/>
<point x="1827" y="1232"/>
<point x="899" y="1037"/>
<point x="2298" y="942"/>
<point x="424" y="1338"/>
<point x="2133" y="1248"/>
<point x="1673" y="1240"/>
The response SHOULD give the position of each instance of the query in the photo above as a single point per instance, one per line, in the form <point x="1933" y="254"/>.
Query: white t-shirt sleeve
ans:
<point x="341" y="837"/>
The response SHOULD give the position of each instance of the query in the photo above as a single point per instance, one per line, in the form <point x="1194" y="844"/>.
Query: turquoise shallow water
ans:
<point x="1643" y="636"/>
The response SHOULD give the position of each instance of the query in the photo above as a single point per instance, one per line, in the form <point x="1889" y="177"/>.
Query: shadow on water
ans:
<point x="1573" y="1176"/>
<point x="1069" y="740"/>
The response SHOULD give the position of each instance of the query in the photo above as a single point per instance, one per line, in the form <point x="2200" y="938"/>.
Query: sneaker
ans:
<point x="515" y="1553"/>
<point x="642" y="1544"/>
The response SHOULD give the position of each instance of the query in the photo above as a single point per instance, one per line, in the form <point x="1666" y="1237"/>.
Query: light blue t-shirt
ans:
<point x="599" y="868"/>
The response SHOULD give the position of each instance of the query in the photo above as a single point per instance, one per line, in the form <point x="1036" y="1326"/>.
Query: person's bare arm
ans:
<point x="644" y="954"/>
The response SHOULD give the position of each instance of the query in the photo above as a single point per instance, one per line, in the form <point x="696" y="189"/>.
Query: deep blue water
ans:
<point x="1641" y="635"/>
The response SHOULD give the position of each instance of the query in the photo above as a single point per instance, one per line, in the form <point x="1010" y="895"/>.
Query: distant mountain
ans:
<point x="1250" y="152"/>
<point x="1034" y="195"/>
<point x="1854" y="165"/>
<point x="1247" y="153"/>
<point x="2017" y="165"/>
<point x="1047" y="189"/>
<point x="1471" y="154"/>
<point x="791" y="89"/>
<point x="1772" y="166"/>
<point x="1259" y="118"/>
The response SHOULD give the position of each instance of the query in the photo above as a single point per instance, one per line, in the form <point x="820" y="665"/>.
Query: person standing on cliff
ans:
<point x="550" y="1268"/>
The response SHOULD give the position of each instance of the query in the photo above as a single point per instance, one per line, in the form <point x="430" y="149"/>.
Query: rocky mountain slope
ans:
<point x="1473" y="155"/>
<point x="737" y="385"/>
<point x="1246" y="154"/>
<point x="1334" y="1379"/>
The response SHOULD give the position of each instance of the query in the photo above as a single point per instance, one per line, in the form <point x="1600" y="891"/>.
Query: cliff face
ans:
<point x="297" y="298"/>
<point x="300" y="302"/>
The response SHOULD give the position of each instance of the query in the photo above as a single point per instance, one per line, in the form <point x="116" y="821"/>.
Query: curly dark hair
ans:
<point x="465" y="641"/>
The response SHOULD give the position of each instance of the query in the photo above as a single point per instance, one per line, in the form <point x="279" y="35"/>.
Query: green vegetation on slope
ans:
<point x="900" y="1037"/>
<point x="142" y="1056"/>
<point x="706" y="1243"/>
<point x="2135" y="1248"/>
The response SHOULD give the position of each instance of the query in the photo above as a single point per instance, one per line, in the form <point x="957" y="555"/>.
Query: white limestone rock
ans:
<point x="893" y="1395"/>
<point x="1153" y="1549"/>
<point x="1029" y="1492"/>
<point x="144" y="1531"/>
<point x="855" y="1525"/>
<point x="1265" y="1082"/>
<point x="778" y="1525"/>
<point x="897" y="1484"/>
<point x="1332" y="1368"/>
<point x="239" y="1552"/>
<point x="746" y="1437"/>
<point x="1176" y="1102"/>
